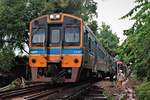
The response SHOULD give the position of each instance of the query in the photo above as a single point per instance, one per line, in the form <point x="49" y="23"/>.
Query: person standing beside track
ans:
<point x="120" y="78"/>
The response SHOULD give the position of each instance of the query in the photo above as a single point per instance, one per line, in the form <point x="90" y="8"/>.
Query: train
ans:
<point x="62" y="46"/>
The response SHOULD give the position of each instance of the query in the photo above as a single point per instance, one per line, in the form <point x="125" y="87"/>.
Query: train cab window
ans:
<point x="55" y="35"/>
<point x="100" y="53"/>
<point x="93" y="45"/>
<point x="72" y="35"/>
<point x="38" y="36"/>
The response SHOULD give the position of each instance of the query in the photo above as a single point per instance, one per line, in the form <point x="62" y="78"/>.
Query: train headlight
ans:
<point x="51" y="17"/>
<point x="57" y="16"/>
<point x="54" y="16"/>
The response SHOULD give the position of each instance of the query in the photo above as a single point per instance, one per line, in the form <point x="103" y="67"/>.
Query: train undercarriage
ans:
<point x="54" y="72"/>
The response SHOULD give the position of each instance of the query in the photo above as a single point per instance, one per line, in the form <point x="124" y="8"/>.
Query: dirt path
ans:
<point x="127" y="92"/>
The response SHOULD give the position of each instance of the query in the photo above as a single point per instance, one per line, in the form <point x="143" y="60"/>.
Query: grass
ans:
<point x="110" y="97"/>
<point x="143" y="91"/>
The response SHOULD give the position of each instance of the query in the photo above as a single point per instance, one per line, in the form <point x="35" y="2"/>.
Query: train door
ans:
<point x="86" y="49"/>
<point x="89" y="51"/>
<point x="55" y="41"/>
<point x="54" y="50"/>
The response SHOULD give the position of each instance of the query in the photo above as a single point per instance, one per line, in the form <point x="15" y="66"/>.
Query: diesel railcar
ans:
<point x="63" y="46"/>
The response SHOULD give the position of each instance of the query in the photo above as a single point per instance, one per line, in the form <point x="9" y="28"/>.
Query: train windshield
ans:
<point x="72" y="35"/>
<point x="38" y="36"/>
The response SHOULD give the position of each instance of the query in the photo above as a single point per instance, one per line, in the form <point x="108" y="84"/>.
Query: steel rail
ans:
<point x="21" y="91"/>
<point x="41" y="94"/>
<point x="76" y="91"/>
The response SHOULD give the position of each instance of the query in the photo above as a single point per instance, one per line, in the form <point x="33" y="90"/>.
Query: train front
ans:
<point x="55" y="47"/>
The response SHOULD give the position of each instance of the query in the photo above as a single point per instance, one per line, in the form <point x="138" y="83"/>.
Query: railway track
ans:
<point x="23" y="91"/>
<point x="83" y="92"/>
<point x="43" y="91"/>
<point x="94" y="93"/>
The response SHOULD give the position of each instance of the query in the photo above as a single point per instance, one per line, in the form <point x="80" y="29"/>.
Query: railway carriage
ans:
<point x="63" y="47"/>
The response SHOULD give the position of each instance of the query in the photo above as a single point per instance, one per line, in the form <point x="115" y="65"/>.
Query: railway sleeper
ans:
<point x="76" y="93"/>
<point x="95" y="98"/>
<point x="97" y="91"/>
<point x="94" y="93"/>
<point x="40" y="94"/>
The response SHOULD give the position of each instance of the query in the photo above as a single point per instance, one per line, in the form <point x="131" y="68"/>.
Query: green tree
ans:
<point x="14" y="17"/>
<point x="136" y="47"/>
<point x="84" y="8"/>
<point x="7" y="61"/>
<point x="143" y="91"/>
<point x="108" y="39"/>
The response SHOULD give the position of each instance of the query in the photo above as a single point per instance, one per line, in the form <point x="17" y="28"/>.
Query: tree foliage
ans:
<point x="136" y="48"/>
<point x="84" y="8"/>
<point x="14" y="17"/>
<point x="7" y="61"/>
<point x="108" y="39"/>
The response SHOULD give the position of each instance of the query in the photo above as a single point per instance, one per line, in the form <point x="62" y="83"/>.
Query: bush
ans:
<point x="143" y="91"/>
<point x="7" y="59"/>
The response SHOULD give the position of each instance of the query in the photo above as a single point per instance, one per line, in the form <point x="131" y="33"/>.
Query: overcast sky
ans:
<point x="109" y="11"/>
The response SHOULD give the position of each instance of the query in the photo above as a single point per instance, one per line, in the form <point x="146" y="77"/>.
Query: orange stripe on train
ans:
<point x="67" y="60"/>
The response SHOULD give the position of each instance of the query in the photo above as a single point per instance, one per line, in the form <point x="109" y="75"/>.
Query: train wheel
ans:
<point x="88" y="73"/>
<point x="103" y="75"/>
<point x="28" y="73"/>
<point x="84" y="75"/>
<point x="111" y="76"/>
<point x="99" y="76"/>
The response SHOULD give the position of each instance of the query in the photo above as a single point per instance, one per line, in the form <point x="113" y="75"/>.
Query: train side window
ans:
<point x="101" y="54"/>
<point x="93" y="45"/>
<point x="90" y="43"/>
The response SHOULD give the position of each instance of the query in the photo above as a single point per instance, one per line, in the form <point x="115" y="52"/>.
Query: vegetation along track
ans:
<point x="78" y="91"/>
